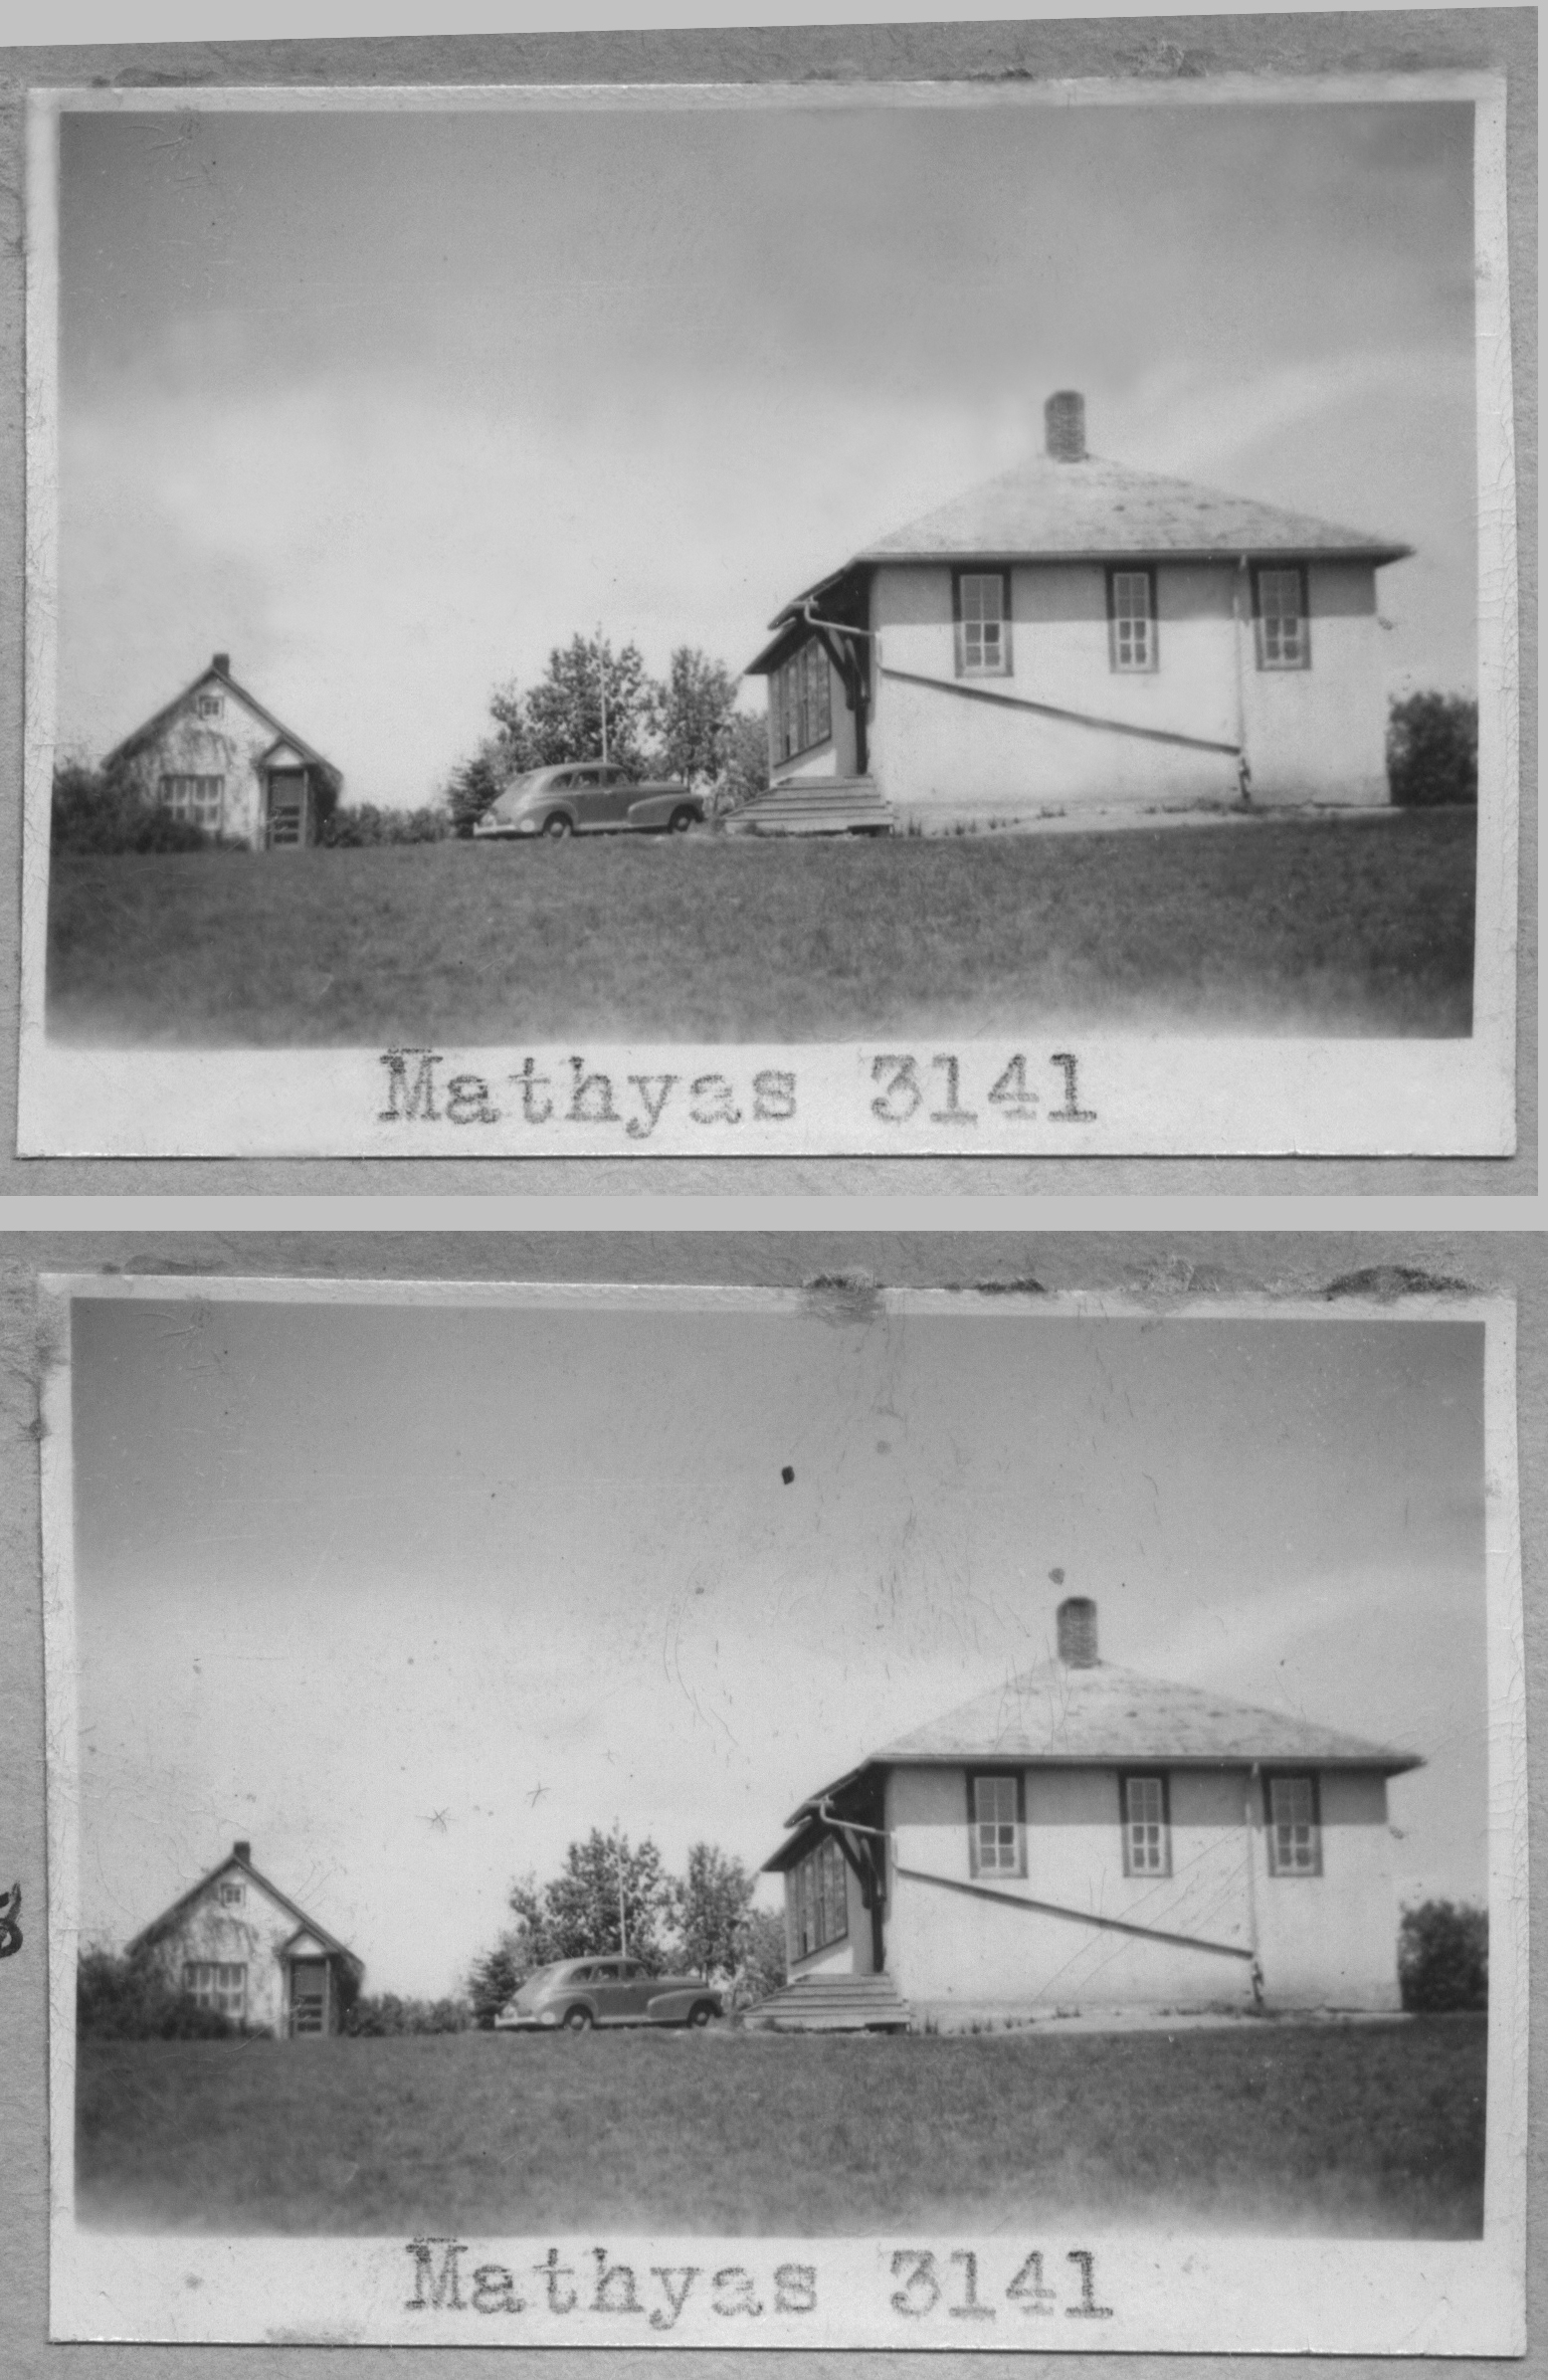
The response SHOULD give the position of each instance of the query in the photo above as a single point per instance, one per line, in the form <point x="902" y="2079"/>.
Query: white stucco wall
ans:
<point x="1331" y="1940"/>
<point x="1311" y="734"/>
<point x="1323" y="1942"/>
<point x="1321" y="735"/>
<point x="229" y="746"/>
<point x="251" y="1934"/>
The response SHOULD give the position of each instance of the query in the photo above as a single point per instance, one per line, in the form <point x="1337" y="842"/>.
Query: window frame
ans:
<point x="180" y="791"/>
<point x="1003" y="667"/>
<point x="984" y="1776"/>
<point x="1298" y="571"/>
<point x="1293" y="1776"/>
<point x="209" y="707"/>
<point x="1152" y="662"/>
<point x="1145" y="1776"/>
<point x="207" y="1982"/>
<point x="805" y="1896"/>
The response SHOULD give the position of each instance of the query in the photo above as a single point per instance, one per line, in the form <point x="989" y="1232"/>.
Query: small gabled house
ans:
<point x="1086" y="1837"/>
<point x="1078" y="635"/>
<point x="237" y="1945"/>
<point x="215" y="755"/>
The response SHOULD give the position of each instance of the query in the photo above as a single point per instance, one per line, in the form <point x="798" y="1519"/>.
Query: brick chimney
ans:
<point x="1077" y="1632"/>
<point x="1064" y="423"/>
<point x="242" y="1850"/>
<point x="222" y="661"/>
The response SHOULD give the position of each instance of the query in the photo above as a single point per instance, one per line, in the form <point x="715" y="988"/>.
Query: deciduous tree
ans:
<point x="712" y="1911"/>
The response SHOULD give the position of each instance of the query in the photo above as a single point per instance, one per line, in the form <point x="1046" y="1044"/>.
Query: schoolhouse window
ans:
<point x="983" y="607"/>
<point x="1147" y="1836"/>
<point x="821" y="1899"/>
<point x="217" y="1983"/>
<point x="800" y="701"/>
<point x="210" y="707"/>
<point x="230" y="1895"/>
<point x="200" y="799"/>
<point x="1282" y="639"/>
<point x="1294" y="1830"/>
<point x="1131" y="606"/>
<point x="998" y="1838"/>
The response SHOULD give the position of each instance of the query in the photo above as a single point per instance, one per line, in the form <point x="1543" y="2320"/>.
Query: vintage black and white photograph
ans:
<point x="836" y="1818"/>
<point x="756" y="619"/>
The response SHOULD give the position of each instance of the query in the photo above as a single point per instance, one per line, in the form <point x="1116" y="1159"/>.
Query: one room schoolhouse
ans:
<point x="1078" y="636"/>
<point x="216" y="756"/>
<point x="239" y="1945"/>
<point x="1087" y="1837"/>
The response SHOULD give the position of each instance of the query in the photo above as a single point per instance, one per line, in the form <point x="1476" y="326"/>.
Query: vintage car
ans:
<point x="578" y="1993"/>
<point x="592" y="797"/>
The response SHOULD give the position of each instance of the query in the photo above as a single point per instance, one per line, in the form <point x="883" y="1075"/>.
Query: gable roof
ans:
<point x="1059" y="1714"/>
<point x="243" y="1867"/>
<point x="221" y="678"/>
<point x="1050" y="509"/>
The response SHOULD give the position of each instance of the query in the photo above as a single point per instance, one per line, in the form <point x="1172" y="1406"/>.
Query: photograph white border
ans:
<point x="1139" y="1096"/>
<point x="1169" y="2293"/>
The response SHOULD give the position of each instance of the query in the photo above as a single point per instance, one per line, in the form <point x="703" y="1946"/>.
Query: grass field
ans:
<point x="1370" y="2130"/>
<point x="1360" y="925"/>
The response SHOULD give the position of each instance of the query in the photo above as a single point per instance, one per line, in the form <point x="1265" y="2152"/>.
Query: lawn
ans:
<point x="1367" y="2130"/>
<point x="1358" y="925"/>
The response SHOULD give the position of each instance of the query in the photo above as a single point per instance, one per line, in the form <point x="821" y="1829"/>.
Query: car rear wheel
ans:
<point x="700" y="2014"/>
<point x="680" y="820"/>
<point x="577" y="2020"/>
<point x="556" y="828"/>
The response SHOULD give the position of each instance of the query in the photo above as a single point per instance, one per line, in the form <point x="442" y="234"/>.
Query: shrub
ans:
<point x="1433" y="750"/>
<point x="1443" y="1956"/>
<point x="386" y="2014"/>
<point x="364" y="824"/>
<point x="123" y="1997"/>
<point x="96" y="813"/>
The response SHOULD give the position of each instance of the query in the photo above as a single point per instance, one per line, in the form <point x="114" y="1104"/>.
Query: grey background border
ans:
<point x="1160" y="48"/>
<point x="1158" y="1266"/>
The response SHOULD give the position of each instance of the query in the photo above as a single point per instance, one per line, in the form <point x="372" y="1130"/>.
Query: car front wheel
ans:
<point x="700" y="2014"/>
<point x="577" y="2020"/>
<point x="680" y="820"/>
<point x="556" y="828"/>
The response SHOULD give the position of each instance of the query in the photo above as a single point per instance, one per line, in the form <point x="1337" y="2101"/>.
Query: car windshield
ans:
<point x="526" y="783"/>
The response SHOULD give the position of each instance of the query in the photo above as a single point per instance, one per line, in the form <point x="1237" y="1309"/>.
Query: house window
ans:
<point x="1147" y="1836"/>
<point x="230" y="1895"/>
<point x="210" y="707"/>
<point x="1284" y="642"/>
<point x="201" y="799"/>
<point x="1131" y="609"/>
<point x="821" y="1899"/>
<point x="800" y="701"/>
<point x="217" y="1984"/>
<point x="996" y="1838"/>
<point x="1295" y="1828"/>
<point x="983" y="609"/>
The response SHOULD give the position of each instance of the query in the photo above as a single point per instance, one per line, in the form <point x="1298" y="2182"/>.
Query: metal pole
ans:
<point x="623" y="1931"/>
<point x="602" y="674"/>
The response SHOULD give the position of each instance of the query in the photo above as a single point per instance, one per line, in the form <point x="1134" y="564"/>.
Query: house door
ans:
<point x="309" y="1996"/>
<point x="286" y="808"/>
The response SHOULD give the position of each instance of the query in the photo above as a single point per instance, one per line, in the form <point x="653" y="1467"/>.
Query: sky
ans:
<point x="412" y="1598"/>
<point x="387" y="406"/>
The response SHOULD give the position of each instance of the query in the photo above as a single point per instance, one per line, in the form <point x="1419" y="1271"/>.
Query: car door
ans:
<point x="608" y="1995"/>
<point x="638" y="1986"/>
<point x="587" y="799"/>
<point x="614" y="793"/>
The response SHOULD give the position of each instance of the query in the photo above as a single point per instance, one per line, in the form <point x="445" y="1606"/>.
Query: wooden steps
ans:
<point x="833" y="2004"/>
<point x="817" y="806"/>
